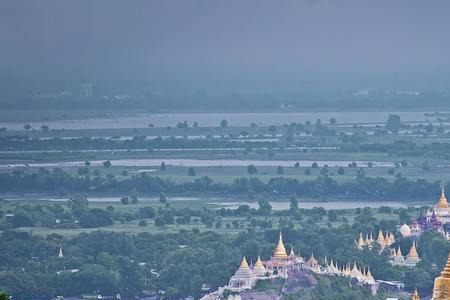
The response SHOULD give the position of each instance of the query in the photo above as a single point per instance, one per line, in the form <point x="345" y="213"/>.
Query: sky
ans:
<point x="245" y="39"/>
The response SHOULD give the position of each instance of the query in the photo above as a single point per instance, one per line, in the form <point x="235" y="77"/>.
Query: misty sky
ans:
<point x="225" y="37"/>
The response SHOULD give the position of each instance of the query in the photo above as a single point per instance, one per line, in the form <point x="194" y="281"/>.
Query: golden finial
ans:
<point x="280" y="251"/>
<point x="244" y="264"/>
<point x="442" y="200"/>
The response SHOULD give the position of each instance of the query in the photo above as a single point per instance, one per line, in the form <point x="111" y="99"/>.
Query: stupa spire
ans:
<point x="244" y="263"/>
<point x="443" y="203"/>
<point x="280" y="251"/>
<point x="413" y="250"/>
<point x="60" y="253"/>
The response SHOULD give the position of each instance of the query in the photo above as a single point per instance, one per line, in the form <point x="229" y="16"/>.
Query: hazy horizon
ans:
<point x="231" y="44"/>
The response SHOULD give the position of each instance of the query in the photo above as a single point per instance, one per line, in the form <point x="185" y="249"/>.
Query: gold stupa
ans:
<point x="280" y="251"/>
<point x="413" y="251"/>
<point x="442" y="201"/>
<point x="244" y="264"/>
<point x="441" y="289"/>
<point x="259" y="263"/>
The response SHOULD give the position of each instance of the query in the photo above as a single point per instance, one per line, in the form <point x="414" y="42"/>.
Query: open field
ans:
<point x="346" y="216"/>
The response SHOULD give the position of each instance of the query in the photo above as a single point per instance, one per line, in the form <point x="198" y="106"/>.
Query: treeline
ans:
<point x="345" y="143"/>
<point x="401" y="148"/>
<point x="58" y="181"/>
<point x="13" y="143"/>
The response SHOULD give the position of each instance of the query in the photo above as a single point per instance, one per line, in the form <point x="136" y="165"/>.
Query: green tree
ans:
<point x="107" y="164"/>
<point x="133" y="196"/>
<point x="280" y="170"/>
<point x="78" y="205"/>
<point x="163" y="166"/>
<point x="162" y="198"/>
<point x="224" y="123"/>
<point x="251" y="169"/>
<point x="332" y="215"/>
<point x="159" y="221"/>
<point x="264" y="206"/>
<point x="191" y="171"/>
<point x="293" y="204"/>
<point x="393" y="123"/>
<point x="4" y="295"/>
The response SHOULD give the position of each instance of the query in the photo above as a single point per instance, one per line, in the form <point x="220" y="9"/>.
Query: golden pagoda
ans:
<point x="360" y="241"/>
<point x="380" y="240"/>
<point x="442" y="201"/>
<point x="415" y="296"/>
<point x="413" y="257"/>
<point x="243" y="278"/>
<point x="441" y="289"/>
<point x="280" y="251"/>
<point x="369" y="275"/>
<point x="259" y="269"/>
<point x="391" y="238"/>
<point x="259" y="263"/>
<point x="413" y="250"/>
<point x="244" y="264"/>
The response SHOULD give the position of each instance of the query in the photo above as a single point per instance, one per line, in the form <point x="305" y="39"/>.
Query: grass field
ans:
<point x="133" y="227"/>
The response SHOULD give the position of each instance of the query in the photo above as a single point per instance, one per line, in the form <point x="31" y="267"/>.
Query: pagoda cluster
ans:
<point x="410" y="260"/>
<point x="383" y="240"/>
<point x="361" y="275"/>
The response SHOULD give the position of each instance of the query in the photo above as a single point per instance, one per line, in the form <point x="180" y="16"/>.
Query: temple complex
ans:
<point x="280" y="262"/>
<point x="277" y="266"/>
<point x="410" y="260"/>
<point x="281" y="265"/>
<point x="433" y="219"/>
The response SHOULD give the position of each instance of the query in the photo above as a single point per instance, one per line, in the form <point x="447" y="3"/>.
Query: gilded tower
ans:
<point x="441" y="289"/>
